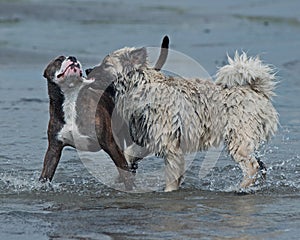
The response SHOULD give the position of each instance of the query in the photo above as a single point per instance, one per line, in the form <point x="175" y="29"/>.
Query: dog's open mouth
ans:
<point x="70" y="70"/>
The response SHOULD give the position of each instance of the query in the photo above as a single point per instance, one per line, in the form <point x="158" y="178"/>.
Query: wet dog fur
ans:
<point x="171" y="116"/>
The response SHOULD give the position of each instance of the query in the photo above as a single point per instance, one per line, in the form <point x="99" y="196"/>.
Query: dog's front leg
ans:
<point x="133" y="154"/>
<point x="175" y="167"/>
<point x="51" y="160"/>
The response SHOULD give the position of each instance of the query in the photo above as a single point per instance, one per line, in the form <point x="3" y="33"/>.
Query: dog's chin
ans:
<point x="72" y="80"/>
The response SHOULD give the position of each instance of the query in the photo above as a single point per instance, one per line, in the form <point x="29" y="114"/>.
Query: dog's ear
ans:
<point x="138" y="57"/>
<point x="52" y="67"/>
<point x="45" y="74"/>
<point x="49" y="71"/>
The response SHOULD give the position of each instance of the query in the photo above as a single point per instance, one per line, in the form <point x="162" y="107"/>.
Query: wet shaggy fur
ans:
<point x="171" y="116"/>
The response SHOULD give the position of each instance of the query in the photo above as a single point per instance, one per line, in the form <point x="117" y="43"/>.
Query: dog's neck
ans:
<point x="56" y="98"/>
<point x="127" y="81"/>
<point x="71" y="85"/>
<point x="63" y="102"/>
<point x="71" y="93"/>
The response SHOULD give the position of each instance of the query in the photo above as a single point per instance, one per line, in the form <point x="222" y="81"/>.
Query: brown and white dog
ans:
<point x="81" y="113"/>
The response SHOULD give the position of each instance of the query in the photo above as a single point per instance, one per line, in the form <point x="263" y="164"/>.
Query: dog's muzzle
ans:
<point x="70" y="67"/>
<point x="72" y="59"/>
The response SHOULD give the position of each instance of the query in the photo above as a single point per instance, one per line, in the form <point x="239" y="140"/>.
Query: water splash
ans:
<point x="15" y="183"/>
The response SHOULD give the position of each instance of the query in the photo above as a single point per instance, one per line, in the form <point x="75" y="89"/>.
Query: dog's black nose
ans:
<point x="73" y="59"/>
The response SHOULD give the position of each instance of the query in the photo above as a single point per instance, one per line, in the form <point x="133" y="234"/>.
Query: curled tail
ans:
<point x="243" y="70"/>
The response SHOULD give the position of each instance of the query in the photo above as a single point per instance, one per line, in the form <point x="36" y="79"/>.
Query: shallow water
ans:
<point x="76" y="205"/>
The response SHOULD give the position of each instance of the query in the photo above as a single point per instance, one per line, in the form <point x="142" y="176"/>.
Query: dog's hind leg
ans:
<point x="247" y="162"/>
<point x="250" y="169"/>
<point x="175" y="167"/>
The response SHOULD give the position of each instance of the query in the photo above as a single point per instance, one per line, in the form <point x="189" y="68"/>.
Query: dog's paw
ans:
<point x="171" y="187"/>
<point x="262" y="168"/>
<point x="134" y="166"/>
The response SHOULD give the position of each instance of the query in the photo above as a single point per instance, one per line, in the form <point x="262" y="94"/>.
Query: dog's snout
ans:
<point x="73" y="59"/>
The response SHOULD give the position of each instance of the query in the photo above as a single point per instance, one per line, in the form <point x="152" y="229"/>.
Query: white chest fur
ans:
<point x="70" y="134"/>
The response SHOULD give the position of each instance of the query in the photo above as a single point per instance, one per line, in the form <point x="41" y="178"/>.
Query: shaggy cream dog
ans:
<point x="171" y="116"/>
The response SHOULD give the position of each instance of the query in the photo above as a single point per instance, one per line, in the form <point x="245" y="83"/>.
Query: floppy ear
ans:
<point x="49" y="71"/>
<point x="138" y="57"/>
<point x="45" y="74"/>
<point x="52" y="67"/>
